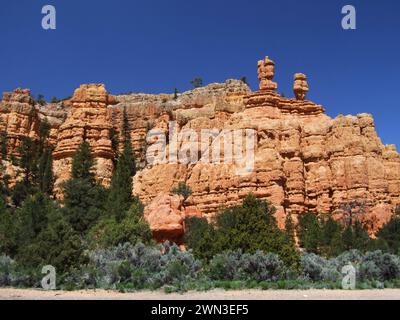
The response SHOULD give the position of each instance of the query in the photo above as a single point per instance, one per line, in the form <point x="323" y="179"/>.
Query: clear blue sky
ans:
<point x="156" y="45"/>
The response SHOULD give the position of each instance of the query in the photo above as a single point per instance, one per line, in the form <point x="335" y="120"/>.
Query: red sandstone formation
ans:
<point x="166" y="215"/>
<point x="90" y="120"/>
<point x="18" y="117"/>
<point x="300" y="86"/>
<point x="304" y="160"/>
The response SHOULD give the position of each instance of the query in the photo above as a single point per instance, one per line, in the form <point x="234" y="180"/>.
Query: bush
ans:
<point x="109" y="232"/>
<point x="250" y="227"/>
<point x="183" y="190"/>
<point x="13" y="275"/>
<point x="316" y="268"/>
<point x="380" y="266"/>
<point x="262" y="267"/>
<point x="236" y="266"/>
<point x="139" y="267"/>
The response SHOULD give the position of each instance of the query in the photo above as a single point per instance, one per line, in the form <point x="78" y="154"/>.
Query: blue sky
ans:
<point x="156" y="45"/>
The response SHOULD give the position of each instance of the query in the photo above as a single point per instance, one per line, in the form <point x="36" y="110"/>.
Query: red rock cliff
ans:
<point x="304" y="160"/>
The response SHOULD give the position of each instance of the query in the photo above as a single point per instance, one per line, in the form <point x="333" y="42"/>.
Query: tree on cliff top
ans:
<point x="197" y="82"/>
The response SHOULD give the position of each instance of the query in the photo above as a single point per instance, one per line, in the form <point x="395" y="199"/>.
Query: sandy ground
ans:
<point x="20" y="294"/>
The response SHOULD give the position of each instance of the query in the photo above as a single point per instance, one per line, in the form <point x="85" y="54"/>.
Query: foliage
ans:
<point x="120" y="193"/>
<point x="390" y="234"/>
<point x="200" y="237"/>
<point x="197" y="82"/>
<point x="8" y="230"/>
<point x="83" y="198"/>
<point x="250" y="227"/>
<point x="183" y="190"/>
<point x="82" y="164"/>
<point x="310" y="233"/>
<point x="234" y="265"/>
<point x="40" y="100"/>
<point x="110" y="232"/>
<point x="57" y="245"/>
<point x="84" y="203"/>
<point x="137" y="267"/>
<point x="3" y="145"/>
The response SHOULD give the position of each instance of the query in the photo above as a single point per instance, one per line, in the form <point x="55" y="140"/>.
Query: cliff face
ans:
<point x="303" y="159"/>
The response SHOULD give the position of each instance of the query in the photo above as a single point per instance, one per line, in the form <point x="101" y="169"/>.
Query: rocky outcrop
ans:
<point x="304" y="160"/>
<point x="18" y="118"/>
<point x="89" y="119"/>
<point x="166" y="216"/>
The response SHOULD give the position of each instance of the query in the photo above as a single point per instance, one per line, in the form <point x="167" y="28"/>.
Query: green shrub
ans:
<point x="183" y="190"/>
<point x="235" y="265"/>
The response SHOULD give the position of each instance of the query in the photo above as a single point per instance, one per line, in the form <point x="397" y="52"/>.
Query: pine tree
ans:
<point x="289" y="228"/>
<point x="252" y="227"/>
<point x="310" y="234"/>
<point x="58" y="245"/>
<point x="331" y="237"/>
<point x="176" y="92"/>
<point x="3" y="145"/>
<point x="28" y="160"/>
<point x="390" y="233"/>
<point x="120" y="194"/>
<point x="8" y="231"/>
<point x="197" y="82"/>
<point x="133" y="228"/>
<point x="82" y="164"/>
<point x="46" y="182"/>
<point x="83" y="197"/>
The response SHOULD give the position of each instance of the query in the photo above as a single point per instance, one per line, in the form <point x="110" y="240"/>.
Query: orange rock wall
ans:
<point x="304" y="160"/>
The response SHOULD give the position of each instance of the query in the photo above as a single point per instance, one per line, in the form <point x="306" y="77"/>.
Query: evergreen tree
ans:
<point x="331" y="237"/>
<point x="57" y="245"/>
<point x="28" y="161"/>
<point x="109" y="232"/>
<point x="40" y="100"/>
<point x="249" y="227"/>
<point x="390" y="234"/>
<point x="183" y="190"/>
<point x="32" y="217"/>
<point x="200" y="236"/>
<point x="290" y="229"/>
<point x="309" y="230"/>
<point x="82" y="164"/>
<point x="197" y="82"/>
<point x="83" y="197"/>
<point x="46" y="181"/>
<point x="3" y="145"/>
<point x="120" y="194"/>
<point x="8" y="231"/>
<point x="36" y="163"/>
<point x="361" y="237"/>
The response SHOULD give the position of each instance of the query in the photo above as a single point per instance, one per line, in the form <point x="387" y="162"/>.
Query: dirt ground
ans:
<point x="21" y="294"/>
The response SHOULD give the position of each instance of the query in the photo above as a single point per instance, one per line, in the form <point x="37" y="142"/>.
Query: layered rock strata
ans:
<point x="304" y="160"/>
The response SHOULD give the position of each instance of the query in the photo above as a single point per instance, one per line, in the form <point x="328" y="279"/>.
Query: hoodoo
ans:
<point x="304" y="160"/>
